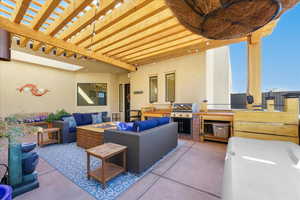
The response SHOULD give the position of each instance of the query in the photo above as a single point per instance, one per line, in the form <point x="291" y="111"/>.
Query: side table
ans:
<point x="49" y="132"/>
<point x="108" y="170"/>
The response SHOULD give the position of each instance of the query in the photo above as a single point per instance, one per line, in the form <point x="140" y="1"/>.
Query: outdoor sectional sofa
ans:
<point x="147" y="147"/>
<point x="68" y="135"/>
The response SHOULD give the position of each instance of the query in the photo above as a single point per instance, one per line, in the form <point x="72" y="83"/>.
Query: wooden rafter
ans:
<point x="39" y="36"/>
<point x="155" y="24"/>
<point x="194" y="39"/>
<point x="144" y="39"/>
<point x="70" y="12"/>
<point x="4" y="11"/>
<point x="112" y="21"/>
<point x="67" y="16"/>
<point x="20" y="10"/>
<point x="60" y="52"/>
<point x="3" y="3"/>
<point x="115" y="32"/>
<point x="23" y="41"/>
<point x="90" y="16"/>
<point x="187" y="35"/>
<point x="185" y="50"/>
<point x="44" y="13"/>
<point x="154" y="19"/>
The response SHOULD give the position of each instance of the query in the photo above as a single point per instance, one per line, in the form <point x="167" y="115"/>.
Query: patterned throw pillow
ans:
<point x="97" y="119"/>
<point x="71" y="121"/>
<point x="122" y="126"/>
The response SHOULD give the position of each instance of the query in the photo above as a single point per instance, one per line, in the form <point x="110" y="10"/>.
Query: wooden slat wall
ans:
<point x="267" y="125"/>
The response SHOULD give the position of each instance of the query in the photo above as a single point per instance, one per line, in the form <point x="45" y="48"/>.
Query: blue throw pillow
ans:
<point x="163" y="120"/>
<point x="122" y="126"/>
<point x="86" y="118"/>
<point x="78" y="119"/>
<point x="71" y="121"/>
<point x="97" y="118"/>
<point x="140" y="126"/>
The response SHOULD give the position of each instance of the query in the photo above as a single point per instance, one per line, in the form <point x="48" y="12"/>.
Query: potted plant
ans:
<point x="50" y="119"/>
<point x="55" y="116"/>
<point x="12" y="128"/>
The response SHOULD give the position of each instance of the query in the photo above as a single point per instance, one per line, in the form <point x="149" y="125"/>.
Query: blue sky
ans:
<point x="280" y="54"/>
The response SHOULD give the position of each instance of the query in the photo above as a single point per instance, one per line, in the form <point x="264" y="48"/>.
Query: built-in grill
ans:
<point x="182" y="113"/>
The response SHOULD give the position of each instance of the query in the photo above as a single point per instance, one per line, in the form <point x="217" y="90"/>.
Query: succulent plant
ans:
<point x="13" y="127"/>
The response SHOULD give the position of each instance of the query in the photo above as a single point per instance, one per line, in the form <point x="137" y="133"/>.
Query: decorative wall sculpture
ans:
<point x="227" y="19"/>
<point x="33" y="89"/>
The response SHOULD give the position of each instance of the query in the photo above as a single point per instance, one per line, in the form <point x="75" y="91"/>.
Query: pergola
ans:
<point x="125" y="33"/>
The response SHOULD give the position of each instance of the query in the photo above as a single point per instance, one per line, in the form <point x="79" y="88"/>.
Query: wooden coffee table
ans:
<point x="108" y="170"/>
<point x="92" y="135"/>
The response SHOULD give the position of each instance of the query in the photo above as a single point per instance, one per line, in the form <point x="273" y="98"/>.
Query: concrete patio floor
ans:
<point x="193" y="171"/>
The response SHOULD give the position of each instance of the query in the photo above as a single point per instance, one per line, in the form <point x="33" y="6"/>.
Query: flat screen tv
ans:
<point x="5" y="44"/>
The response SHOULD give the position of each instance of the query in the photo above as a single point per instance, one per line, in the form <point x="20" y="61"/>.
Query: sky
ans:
<point x="280" y="57"/>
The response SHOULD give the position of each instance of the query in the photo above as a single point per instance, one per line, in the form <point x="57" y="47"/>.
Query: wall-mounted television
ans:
<point x="5" y="44"/>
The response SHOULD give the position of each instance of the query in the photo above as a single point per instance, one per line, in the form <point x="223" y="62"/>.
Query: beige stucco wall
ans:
<point x="15" y="74"/>
<point x="218" y="77"/>
<point x="205" y="75"/>
<point x="62" y="86"/>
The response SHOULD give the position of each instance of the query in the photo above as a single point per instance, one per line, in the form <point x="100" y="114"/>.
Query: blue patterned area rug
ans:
<point x="70" y="160"/>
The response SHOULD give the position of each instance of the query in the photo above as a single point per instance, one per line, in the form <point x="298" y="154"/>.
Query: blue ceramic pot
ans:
<point x="5" y="192"/>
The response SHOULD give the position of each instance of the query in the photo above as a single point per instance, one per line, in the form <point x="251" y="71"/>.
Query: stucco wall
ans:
<point x="62" y="86"/>
<point x="205" y="75"/>
<point x="15" y="74"/>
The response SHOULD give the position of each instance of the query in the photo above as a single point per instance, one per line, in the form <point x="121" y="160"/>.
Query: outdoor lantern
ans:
<point x="227" y="19"/>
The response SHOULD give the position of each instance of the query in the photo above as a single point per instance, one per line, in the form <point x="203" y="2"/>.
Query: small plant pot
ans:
<point x="50" y="125"/>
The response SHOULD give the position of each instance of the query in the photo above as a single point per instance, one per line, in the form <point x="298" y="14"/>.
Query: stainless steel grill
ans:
<point x="183" y="110"/>
<point x="182" y="113"/>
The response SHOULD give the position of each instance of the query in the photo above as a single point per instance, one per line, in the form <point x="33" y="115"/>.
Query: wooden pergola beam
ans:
<point x="44" y="13"/>
<point x="59" y="52"/>
<point x="148" y="39"/>
<point x="70" y="12"/>
<point x="158" y="43"/>
<point x="166" y="46"/>
<point x="90" y="16"/>
<point x="23" y="42"/>
<point x="149" y="34"/>
<point x="137" y="19"/>
<point x="130" y="28"/>
<point x="186" y="50"/>
<point x="20" y="10"/>
<point x="111" y="21"/>
<point x="27" y="32"/>
<point x="163" y="50"/>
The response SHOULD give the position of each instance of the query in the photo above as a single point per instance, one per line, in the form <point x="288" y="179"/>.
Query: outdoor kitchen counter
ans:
<point x="210" y="118"/>
<point x="156" y="113"/>
<point x="215" y="113"/>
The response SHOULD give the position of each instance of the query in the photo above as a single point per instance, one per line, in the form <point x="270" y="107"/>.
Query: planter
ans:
<point x="5" y="192"/>
<point x="50" y="125"/>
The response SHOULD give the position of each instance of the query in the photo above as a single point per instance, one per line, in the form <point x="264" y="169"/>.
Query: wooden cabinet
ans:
<point x="208" y="119"/>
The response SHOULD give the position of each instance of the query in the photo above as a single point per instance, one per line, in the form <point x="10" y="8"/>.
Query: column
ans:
<point x="254" y="71"/>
